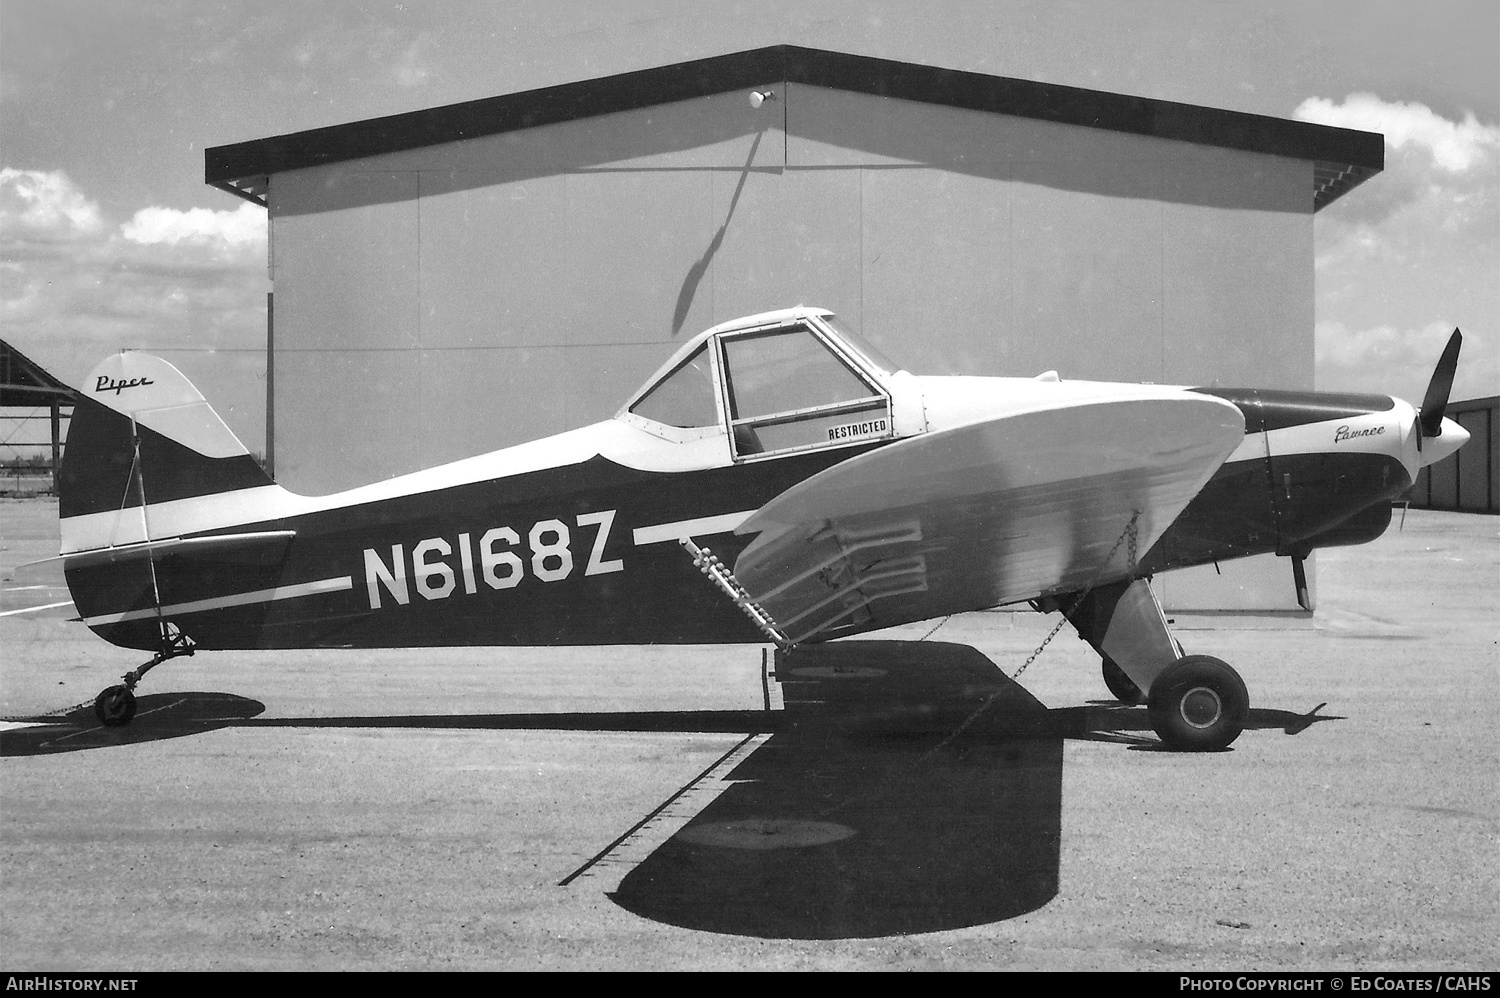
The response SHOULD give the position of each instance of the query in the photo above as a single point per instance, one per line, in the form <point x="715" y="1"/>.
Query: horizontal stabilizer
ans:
<point x="158" y="550"/>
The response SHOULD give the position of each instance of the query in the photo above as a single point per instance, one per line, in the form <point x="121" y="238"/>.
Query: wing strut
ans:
<point x="709" y="564"/>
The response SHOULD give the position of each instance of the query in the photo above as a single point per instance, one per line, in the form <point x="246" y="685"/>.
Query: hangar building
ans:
<point x="454" y="280"/>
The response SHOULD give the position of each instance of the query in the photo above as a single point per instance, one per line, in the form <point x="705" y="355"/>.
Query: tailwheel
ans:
<point x="1121" y="686"/>
<point x="1198" y="704"/>
<point x="115" y="706"/>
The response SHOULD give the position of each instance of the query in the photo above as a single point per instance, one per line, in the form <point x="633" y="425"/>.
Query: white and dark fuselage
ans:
<point x="574" y="539"/>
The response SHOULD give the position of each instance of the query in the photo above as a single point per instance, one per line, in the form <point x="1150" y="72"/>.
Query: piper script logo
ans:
<point x="105" y="383"/>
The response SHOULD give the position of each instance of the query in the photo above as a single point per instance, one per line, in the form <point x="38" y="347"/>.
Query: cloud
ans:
<point x="243" y="229"/>
<point x="41" y="205"/>
<point x="1392" y="360"/>
<point x="1380" y="349"/>
<point x="68" y="273"/>
<point x="76" y="286"/>
<point x="1446" y="171"/>
<point x="1454" y="146"/>
<point x="1411" y="253"/>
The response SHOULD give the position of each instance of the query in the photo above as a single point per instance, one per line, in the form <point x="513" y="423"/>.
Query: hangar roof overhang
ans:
<point x="24" y="383"/>
<point x="1342" y="158"/>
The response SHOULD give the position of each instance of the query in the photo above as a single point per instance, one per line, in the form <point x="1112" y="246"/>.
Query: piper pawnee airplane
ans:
<point x="777" y="481"/>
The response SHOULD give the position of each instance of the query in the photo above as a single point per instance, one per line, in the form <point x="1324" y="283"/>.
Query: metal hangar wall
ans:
<point x="452" y="281"/>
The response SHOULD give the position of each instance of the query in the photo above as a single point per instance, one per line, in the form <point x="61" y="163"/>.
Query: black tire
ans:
<point x="1120" y="685"/>
<point x="1198" y="704"/>
<point x="115" y="707"/>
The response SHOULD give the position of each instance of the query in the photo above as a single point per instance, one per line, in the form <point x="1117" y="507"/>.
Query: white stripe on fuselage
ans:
<point x="683" y="529"/>
<point x="1390" y="433"/>
<point x="1368" y="433"/>
<point x="220" y="602"/>
<point x="612" y="439"/>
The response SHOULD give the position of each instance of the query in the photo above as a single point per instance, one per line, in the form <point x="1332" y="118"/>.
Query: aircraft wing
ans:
<point x="993" y="512"/>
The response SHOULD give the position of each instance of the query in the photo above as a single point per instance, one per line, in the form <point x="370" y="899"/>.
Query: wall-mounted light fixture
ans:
<point x="759" y="97"/>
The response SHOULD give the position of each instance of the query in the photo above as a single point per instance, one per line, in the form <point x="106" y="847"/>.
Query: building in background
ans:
<point x="1467" y="482"/>
<point x="29" y="394"/>
<point x="451" y="281"/>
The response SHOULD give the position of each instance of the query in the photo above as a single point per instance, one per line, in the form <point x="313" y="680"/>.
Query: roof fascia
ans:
<point x="1354" y="155"/>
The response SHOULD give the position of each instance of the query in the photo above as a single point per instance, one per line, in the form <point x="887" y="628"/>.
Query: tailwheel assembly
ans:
<point x="1198" y="704"/>
<point x="115" y="706"/>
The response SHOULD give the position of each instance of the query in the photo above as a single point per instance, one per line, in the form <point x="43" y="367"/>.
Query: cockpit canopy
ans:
<point x="775" y="383"/>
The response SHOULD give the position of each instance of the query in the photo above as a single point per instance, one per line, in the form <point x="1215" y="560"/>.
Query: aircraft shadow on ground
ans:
<point x="158" y="716"/>
<point x="906" y="787"/>
<point x="882" y="805"/>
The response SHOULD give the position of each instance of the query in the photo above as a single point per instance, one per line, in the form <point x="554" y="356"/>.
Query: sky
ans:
<point x="109" y="238"/>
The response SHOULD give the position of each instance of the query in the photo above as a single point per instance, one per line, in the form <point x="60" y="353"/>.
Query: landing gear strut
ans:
<point x="1195" y="703"/>
<point x="115" y="707"/>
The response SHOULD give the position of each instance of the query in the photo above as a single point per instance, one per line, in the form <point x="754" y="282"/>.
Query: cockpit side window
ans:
<point x="786" y="371"/>
<point x="787" y="390"/>
<point x="683" y="398"/>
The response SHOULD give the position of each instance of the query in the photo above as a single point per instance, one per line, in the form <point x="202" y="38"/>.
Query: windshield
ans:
<point x="867" y="351"/>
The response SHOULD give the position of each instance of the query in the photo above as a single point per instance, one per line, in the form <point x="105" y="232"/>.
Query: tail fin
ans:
<point x="142" y="434"/>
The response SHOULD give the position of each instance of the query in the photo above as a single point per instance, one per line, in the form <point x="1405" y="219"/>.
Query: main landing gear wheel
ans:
<point x="1198" y="704"/>
<point x="1121" y="686"/>
<point x="115" y="706"/>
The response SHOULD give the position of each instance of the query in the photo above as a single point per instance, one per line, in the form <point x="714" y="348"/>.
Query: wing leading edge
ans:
<point x="981" y="515"/>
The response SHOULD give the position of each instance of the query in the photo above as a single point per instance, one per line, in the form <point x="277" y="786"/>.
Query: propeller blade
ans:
<point x="1436" y="400"/>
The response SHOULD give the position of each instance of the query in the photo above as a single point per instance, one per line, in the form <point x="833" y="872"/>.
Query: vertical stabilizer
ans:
<point x="142" y="434"/>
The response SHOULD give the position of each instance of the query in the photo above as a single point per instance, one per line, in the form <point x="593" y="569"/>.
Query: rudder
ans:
<point x="141" y="433"/>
